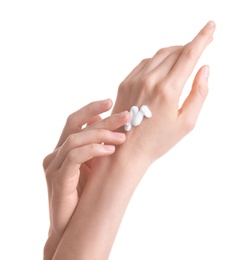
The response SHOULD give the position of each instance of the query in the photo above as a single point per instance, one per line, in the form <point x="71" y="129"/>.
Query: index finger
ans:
<point x="190" y="55"/>
<point x="84" y="115"/>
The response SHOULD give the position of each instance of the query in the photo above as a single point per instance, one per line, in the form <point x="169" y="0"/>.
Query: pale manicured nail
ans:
<point x="105" y="101"/>
<point x="109" y="148"/>
<point x="122" y="114"/>
<point x="119" y="135"/>
<point x="206" y="72"/>
<point x="210" y="24"/>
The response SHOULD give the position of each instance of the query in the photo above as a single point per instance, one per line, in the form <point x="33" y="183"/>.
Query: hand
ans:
<point x="158" y="83"/>
<point x="84" y="137"/>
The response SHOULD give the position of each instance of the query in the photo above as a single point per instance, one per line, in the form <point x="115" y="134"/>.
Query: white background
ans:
<point x="57" y="56"/>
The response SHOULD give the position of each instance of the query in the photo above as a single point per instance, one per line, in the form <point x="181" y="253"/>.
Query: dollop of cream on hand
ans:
<point x="136" y="116"/>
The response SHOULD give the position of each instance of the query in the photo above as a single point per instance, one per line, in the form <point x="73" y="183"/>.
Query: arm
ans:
<point x="158" y="83"/>
<point x="95" y="223"/>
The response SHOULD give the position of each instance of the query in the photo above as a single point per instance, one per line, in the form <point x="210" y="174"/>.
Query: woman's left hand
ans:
<point x="67" y="169"/>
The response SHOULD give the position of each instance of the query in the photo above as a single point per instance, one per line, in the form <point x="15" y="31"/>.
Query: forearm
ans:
<point x="95" y="223"/>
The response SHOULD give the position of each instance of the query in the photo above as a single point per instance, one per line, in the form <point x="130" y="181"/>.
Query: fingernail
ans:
<point x="206" y="72"/>
<point x="119" y="135"/>
<point x="122" y="114"/>
<point x="105" y="101"/>
<point x="109" y="148"/>
<point x="210" y="24"/>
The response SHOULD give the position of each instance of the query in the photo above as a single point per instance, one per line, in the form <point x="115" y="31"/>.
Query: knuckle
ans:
<point x="46" y="161"/>
<point x="163" y="51"/>
<point x="92" y="150"/>
<point x="71" y="140"/>
<point x="122" y="86"/>
<point x="71" y="120"/>
<point x="164" y="91"/>
<point x="144" y="61"/>
<point x="146" y="81"/>
<point x="189" y="53"/>
<point x="133" y="82"/>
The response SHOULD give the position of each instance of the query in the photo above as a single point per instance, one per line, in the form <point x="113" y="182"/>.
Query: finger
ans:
<point x="159" y="58"/>
<point x="158" y="74"/>
<point x="94" y="120"/>
<point x="89" y="163"/>
<point x="77" y="119"/>
<point x="163" y="69"/>
<point x="48" y="159"/>
<point x="71" y="165"/>
<point x="190" y="55"/>
<point x="191" y="108"/>
<point x="85" y="138"/>
<point x="117" y="121"/>
<point x="112" y="122"/>
<point x="135" y="71"/>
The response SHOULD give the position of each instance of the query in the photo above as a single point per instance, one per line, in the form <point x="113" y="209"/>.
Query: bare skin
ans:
<point x="158" y="83"/>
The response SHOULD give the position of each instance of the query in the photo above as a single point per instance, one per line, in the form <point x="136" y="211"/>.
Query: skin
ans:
<point x="158" y="83"/>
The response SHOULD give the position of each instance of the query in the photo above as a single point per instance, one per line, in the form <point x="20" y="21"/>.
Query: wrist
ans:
<point x="135" y="151"/>
<point x="128" y="164"/>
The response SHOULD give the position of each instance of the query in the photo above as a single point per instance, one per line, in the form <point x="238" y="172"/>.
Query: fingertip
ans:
<point x="108" y="148"/>
<point x="107" y="102"/>
<point x="201" y="81"/>
<point x="125" y="116"/>
<point x="209" y="28"/>
<point x="205" y="71"/>
<point x="210" y="24"/>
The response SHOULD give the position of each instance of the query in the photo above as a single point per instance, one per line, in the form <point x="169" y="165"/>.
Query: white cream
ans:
<point x="136" y="116"/>
<point x="146" y="111"/>
<point x="137" y="119"/>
